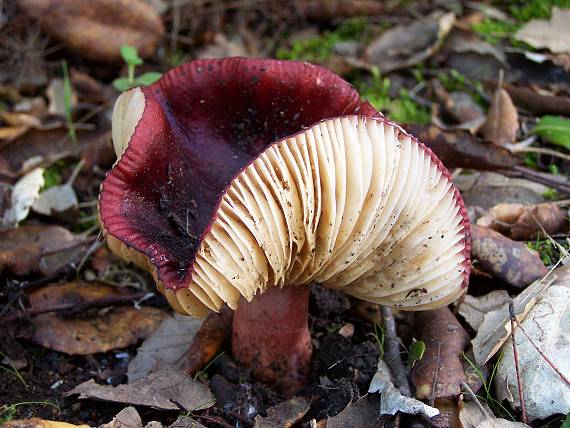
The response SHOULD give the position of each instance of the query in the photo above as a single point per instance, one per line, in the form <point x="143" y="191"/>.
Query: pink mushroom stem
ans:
<point x="271" y="336"/>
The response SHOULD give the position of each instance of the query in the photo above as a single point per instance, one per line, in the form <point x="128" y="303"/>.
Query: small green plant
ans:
<point x="132" y="59"/>
<point x="202" y="373"/>
<point x="416" y="352"/>
<point x="488" y="397"/>
<point x="550" y="251"/>
<point x="67" y="94"/>
<point x="525" y="10"/>
<point x="53" y="174"/>
<point x="8" y="411"/>
<point x="13" y="371"/>
<point x="379" y="336"/>
<point x="550" y="194"/>
<point x="402" y="109"/>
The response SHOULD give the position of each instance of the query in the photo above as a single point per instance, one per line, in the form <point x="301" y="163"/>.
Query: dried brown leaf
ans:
<point x="93" y="332"/>
<point x="440" y="372"/>
<point x="406" y="45"/>
<point x="164" y="389"/>
<point x="284" y="414"/>
<point x="362" y="413"/>
<point x="502" y="121"/>
<point x="323" y="10"/>
<point x="96" y="29"/>
<point x="505" y="259"/>
<point x="461" y="149"/>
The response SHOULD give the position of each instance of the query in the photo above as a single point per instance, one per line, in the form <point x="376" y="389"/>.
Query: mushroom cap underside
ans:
<point x="351" y="202"/>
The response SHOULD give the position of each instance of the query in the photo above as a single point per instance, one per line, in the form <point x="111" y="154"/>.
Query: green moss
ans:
<point x="402" y="109"/>
<point x="494" y="31"/>
<point x="53" y="174"/>
<point x="320" y="48"/>
<point x="550" y="194"/>
<point x="525" y="10"/>
<point x="549" y="250"/>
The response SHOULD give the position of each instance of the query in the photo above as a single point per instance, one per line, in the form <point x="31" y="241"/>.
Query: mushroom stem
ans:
<point x="271" y="336"/>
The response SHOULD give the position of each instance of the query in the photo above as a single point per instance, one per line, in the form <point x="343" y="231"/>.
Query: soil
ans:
<point x="341" y="372"/>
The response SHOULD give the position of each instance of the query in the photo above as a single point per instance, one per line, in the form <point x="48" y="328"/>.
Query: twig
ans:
<point x="550" y="363"/>
<point x="392" y="355"/>
<point x="475" y="399"/>
<point x="78" y="306"/>
<point x="516" y="358"/>
<point x="540" y="150"/>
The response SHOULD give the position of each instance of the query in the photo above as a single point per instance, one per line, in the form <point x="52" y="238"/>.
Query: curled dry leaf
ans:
<point x="510" y="261"/>
<point x="406" y="45"/>
<point x="392" y="400"/>
<point x="547" y="324"/>
<point x="553" y="35"/>
<point x="440" y="372"/>
<point x="164" y="389"/>
<point x="91" y="333"/>
<point x="39" y="249"/>
<point x="502" y="121"/>
<point x="96" y="29"/>
<point x="473" y="309"/>
<point x="165" y="345"/>
<point x="524" y="223"/>
<point x="24" y="193"/>
<point x="460" y="149"/>
<point x="471" y="416"/>
<point x="208" y="341"/>
<point x="284" y="414"/>
<point x="537" y="102"/>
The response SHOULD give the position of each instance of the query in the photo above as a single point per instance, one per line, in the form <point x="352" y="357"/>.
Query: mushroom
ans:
<point x="242" y="181"/>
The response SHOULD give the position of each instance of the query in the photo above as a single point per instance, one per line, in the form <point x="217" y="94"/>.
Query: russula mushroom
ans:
<point x="242" y="180"/>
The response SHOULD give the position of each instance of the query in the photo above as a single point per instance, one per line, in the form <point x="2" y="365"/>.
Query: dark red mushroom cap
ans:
<point x="230" y="180"/>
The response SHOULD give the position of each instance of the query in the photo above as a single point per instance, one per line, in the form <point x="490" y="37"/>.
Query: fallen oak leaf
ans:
<point x="502" y="121"/>
<point x="166" y="389"/>
<point x="440" y="372"/>
<point x="505" y="259"/>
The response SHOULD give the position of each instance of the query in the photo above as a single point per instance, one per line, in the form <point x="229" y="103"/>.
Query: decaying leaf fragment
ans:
<point x="96" y="29"/>
<point x="392" y="400"/>
<point x="502" y="121"/>
<point x="473" y="309"/>
<point x="525" y="222"/>
<point x="85" y="335"/>
<point x="440" y="372"/>
<point x="40" y="423"/>
<point x="547" y="324"/>
<point x="24" y="193"/>
<point x="284" y="414"/>
<point x="31" y="250"/>
<point x="510" y="261"/>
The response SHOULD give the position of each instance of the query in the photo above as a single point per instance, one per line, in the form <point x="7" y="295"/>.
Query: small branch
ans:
<point x="476" y="400"/>
<point x="392" y="352"/>
<point x="541" y="150"/>
<point x="516" y="357"/>
<point x="550" y="363"/>
<point x="78" y="307"/>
